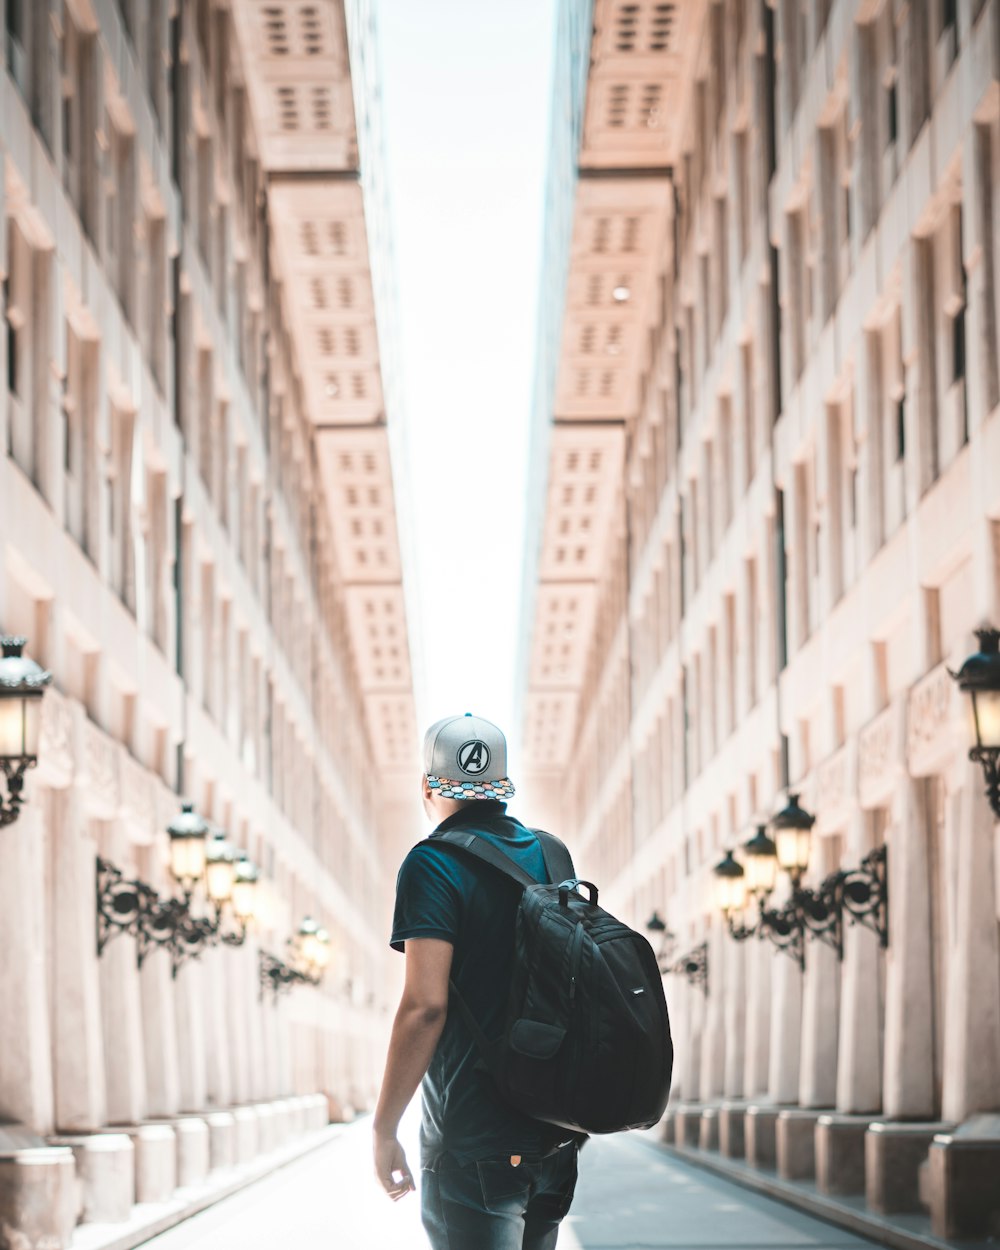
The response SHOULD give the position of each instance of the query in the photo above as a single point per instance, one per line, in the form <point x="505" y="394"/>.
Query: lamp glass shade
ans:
<point x="22" y="684"/>
<point x="187" y="859"/>
<point x="188" y="835"/>
<point x="308" y="943"/>
<point x="220" y="869"/>
<point x="244" y="897"/>
<point x="760" y="859"/>
<point x="986" y="711"/>
<point x="730" y="884"/>
<point x="13" y="727"/>
<point x="323" y="949"/>
<point x="730" y="893"/>
<point x="793" y="849"/>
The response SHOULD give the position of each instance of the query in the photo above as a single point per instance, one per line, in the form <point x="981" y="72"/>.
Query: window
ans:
<point x="80" y="157"/>
<point x="15" y="42"/>
<point x="156" y="293"/>
<point x="835" y="220"/>
<point x="13" y="319"/>
<point x="798" y="288"/>
<point x="120" y="213"/>
<point x="26" y="36"/>
<point x="120" y="523"/>
<point x="28" y="299"/>
<point x="80" y="410"/>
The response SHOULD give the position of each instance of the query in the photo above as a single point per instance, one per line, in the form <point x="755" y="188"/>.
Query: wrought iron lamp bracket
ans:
<point x="783" y="928"/>
<point x="693" y="965"/>
<point x="133" y="907"/>
<point x="275" y="975"/>
<point x="989" y="759"/>
<point x="865" y="894"/>
<point x="13" y="770"/>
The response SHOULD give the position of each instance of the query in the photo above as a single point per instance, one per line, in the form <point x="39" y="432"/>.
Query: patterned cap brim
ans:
<point x="450" y="789"/>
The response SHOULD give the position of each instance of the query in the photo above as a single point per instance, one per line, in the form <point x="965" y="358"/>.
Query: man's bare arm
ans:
<point x="416" y="1029"/>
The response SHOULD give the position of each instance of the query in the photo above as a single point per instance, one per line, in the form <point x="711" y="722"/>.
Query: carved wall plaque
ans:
<point x="100" y="768"/>
<point x="930" y="736"/>
<point x="833" y="791"/>
<point x="56" y="757"/>
<point x="878" y="756"/>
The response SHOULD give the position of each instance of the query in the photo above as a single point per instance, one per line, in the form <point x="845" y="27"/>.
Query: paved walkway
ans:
<point x="630" y="1197"/>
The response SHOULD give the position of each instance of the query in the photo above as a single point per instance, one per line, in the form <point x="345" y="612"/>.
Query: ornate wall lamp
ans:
<point x="132" y="906"/>
<point x="693" y="965"/>
<point x="979" y="677"/>
<point x="657" y="929"/>
<point x="859" y="893"/>
<point x="22" y="685"/>
<point x="309" y="958"/>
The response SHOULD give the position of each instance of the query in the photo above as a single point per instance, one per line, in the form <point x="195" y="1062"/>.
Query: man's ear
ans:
<point x="425" y="789"/>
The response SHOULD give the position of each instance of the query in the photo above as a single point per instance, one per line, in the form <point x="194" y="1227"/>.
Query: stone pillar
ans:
<point x="258" y="1006"/>
<point x="78" y="1040"/>
<point x="908" y="1090"/>
<point x="820" y="1012"/>
<point x="159" y="1019"/>
<point x="25" y="1043"/>
<point x="121" y="1009"/>
<point x="189" y="1003"/>
<point x="691" y="1002"/>
<point x="758" y="963"/>
<point x="981" y="383"/>
<point x="218" y="1076"/>
<point x="713" y="1040"/>
<point x="240" y="992"/>
<point x="734" y="1016"/>
<point x="972" y="1019"/>
<point x="859" y="1059"/>
<point x="786" y="1029"/>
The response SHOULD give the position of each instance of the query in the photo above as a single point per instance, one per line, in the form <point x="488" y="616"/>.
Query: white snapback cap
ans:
<point x="465" y="757"/>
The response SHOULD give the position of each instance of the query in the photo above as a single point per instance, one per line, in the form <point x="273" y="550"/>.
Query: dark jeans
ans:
<point x="494" y="1205"/>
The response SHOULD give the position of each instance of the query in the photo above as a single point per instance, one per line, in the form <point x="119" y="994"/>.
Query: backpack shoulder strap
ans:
<point x="558" y="861"/>
<point x="484" y="850"/>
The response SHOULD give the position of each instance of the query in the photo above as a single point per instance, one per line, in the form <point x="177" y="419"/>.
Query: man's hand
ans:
<point x="391" y="1168"/>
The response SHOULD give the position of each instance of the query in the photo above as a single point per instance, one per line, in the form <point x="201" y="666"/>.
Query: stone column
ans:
<point x="78" y="1041"/>
<point x="189" y="1002"/>
<point x="972" y="1020"/>
<point x="217" y="967"/>
<point x="240" y="990"/>
<point x="820" y="1012"/>
<point x="121" y="1007"/>
<point x="159" y="1020"/>
<point x="713" y="1040"/>
<point x="734" y="1017"/>
<point x="758" y="962"/>
<point x="786" y="1029"/>
<point x="692" y="1009"/>
<point x="982" y="391"/>
<point x="25" y="1041"/>
<point x="259" y="1008"/>
<point x="859" y="1060"/>
<point x="908" y="1090"/>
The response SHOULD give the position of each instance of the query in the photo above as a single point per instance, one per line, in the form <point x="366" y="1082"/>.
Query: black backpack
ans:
<point x="586" y="1043"/>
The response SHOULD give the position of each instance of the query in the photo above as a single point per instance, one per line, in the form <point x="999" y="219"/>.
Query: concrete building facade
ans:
<point x="768" y="523"/>
<point x="199" y="538"/>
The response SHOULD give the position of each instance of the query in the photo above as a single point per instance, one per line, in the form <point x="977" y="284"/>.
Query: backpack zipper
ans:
<point x="576" y="950"/>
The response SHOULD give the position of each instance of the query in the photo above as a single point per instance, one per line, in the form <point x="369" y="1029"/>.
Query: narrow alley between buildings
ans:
<point x="631" y="1196"/>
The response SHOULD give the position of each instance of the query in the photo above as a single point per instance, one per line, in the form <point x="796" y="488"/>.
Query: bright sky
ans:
<point x="466" y="90"/>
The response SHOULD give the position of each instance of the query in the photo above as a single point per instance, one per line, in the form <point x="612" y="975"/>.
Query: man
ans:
<point x="493" y="1178"/>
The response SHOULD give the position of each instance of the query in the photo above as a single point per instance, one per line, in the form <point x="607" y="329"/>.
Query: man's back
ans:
<point x="494" y="1178"/>
<point x="444" y="895"/>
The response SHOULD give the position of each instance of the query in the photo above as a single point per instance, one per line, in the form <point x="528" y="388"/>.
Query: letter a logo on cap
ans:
<point x="474" y="757"/>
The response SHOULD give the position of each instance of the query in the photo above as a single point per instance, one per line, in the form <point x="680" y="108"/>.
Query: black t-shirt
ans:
<point x="443" y="894"/>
